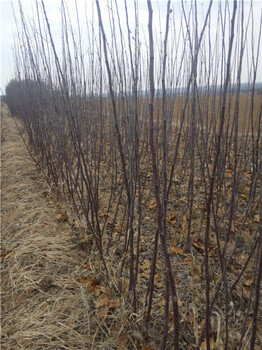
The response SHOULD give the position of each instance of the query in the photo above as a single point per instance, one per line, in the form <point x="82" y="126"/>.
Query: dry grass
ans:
<point x="43" y="305"/>
<point x="51" y="294"/>
<point x="55" y="294"/>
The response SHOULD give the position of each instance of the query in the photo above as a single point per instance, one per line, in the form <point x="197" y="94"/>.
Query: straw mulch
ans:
<point x="44" y="303"/>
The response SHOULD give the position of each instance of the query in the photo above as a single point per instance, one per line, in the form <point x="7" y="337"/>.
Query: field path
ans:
<point x="43" y="305"/>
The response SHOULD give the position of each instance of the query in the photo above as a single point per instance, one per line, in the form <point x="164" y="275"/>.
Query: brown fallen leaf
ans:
<point x="200" y="246"/>
<point x="176" y="250"/>
<point x="151" y="204"/>
<point x="146" y="347"/>
<point x="248" y="282"/>
<point x="188" y="259"/>
<point x="180" y="303"/>
<point x="89" y="281"/>
<point x="156" y="277"/>
<point x="256" y="218"/>
<point x="103" y="304"/>
<point x="96" y="290"/>
<point x="146" y="265"/>
<point x="183" y="222"/>
<point x="122" y="342"/>
<point x="118" y="227"/>
<point x="102" y="300"/>
<point x="244" y="196"/>
<point x="229" y="173"/>
<point x="86" y="266"/>
<point x="203" y="345"/>
<point x="61" y="217"/>
<point x="171" y="218"/>
<point x="162" y="302"/>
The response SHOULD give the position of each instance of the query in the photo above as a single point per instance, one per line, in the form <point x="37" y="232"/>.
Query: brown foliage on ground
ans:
<point x="54" y="291"/>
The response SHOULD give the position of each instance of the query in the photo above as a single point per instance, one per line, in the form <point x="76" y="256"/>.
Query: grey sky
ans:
<point x="52" y="7"/>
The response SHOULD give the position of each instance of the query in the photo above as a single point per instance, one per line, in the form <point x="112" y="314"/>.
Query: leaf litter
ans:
<point x="54" y="292"/>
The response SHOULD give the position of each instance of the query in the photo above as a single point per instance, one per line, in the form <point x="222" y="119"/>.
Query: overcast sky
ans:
<point x="53" y="11"/>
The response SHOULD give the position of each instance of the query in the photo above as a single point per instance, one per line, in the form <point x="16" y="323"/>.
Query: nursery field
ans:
<point x="131" y="178"/>
<point x="55" y="293"/>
